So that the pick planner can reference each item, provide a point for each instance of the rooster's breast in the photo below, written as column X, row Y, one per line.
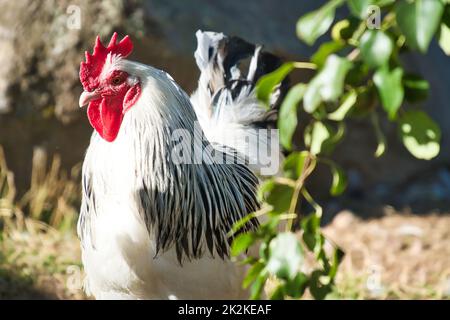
column 119, row 251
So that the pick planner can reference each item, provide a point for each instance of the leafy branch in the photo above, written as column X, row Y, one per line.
column 358, row 74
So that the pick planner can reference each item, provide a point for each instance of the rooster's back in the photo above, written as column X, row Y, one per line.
column 225, row 100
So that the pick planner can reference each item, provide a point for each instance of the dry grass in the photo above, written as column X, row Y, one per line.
column 39, row 252
column 54, row 195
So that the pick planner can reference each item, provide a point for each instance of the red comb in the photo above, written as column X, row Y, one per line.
column 91, row 69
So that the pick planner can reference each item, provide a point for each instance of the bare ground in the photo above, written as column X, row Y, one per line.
column 397, row 256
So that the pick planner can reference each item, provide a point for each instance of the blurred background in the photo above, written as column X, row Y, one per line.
column 393, row 220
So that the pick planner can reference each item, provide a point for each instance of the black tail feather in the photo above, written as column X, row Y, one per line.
column 233, row 68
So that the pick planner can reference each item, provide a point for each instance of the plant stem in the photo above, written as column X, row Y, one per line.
column 305, row 65
column 388, row 21
column 313, row 203
column 354, row 40
column 285, row 181
column 381, row 147
column 299, row 183
column 353, row 55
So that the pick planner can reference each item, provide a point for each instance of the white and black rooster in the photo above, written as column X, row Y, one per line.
column 152, row 226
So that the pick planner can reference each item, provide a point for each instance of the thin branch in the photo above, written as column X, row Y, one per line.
column 305, row 65
column 308, row 168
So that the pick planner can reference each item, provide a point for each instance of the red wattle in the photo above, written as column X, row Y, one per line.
column 106, row 115
column 93, row 113
column 111, row 115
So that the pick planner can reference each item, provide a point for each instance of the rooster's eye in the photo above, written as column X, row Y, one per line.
column 116, row 81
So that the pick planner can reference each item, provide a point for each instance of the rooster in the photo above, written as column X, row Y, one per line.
column 154, row 223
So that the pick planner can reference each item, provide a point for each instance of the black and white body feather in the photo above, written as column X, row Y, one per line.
column 225, row 100
column 152, row 227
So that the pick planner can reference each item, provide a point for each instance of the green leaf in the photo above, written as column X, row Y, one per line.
column 311, row 230
column 241, row 223
column 278, row 293
column 444, row 38
column 316, row 136
column 267, row 83
column 328, row 84
column 314, row 24
column 390, row 88
column 267, row 230
column 382, row 3
column 264, row 251
column 340, row 113
column 338, row 255
column 252, row 273
column 446, row 14
column 297, row 286
column 264, row 188
column 419, row 20
column 327, row 48
column 376, row 47
column 366, row 101
column 294, row 163
column 286, row 255
column 279, row 197
column 320, row 253
column 416, row 88
column 241, row 243
column 322, row 138
column 420, row 134
column 258, row 286
column 318, row 287
column 357, row 76
column 359, row 8
column 287, row 120
column 248, row 260
column 339, row 182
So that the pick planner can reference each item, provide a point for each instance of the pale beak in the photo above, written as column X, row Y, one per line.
column 87, row 97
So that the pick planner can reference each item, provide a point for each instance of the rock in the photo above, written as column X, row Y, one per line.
column 43, row 44
column 409, row 230
column 344, row 219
